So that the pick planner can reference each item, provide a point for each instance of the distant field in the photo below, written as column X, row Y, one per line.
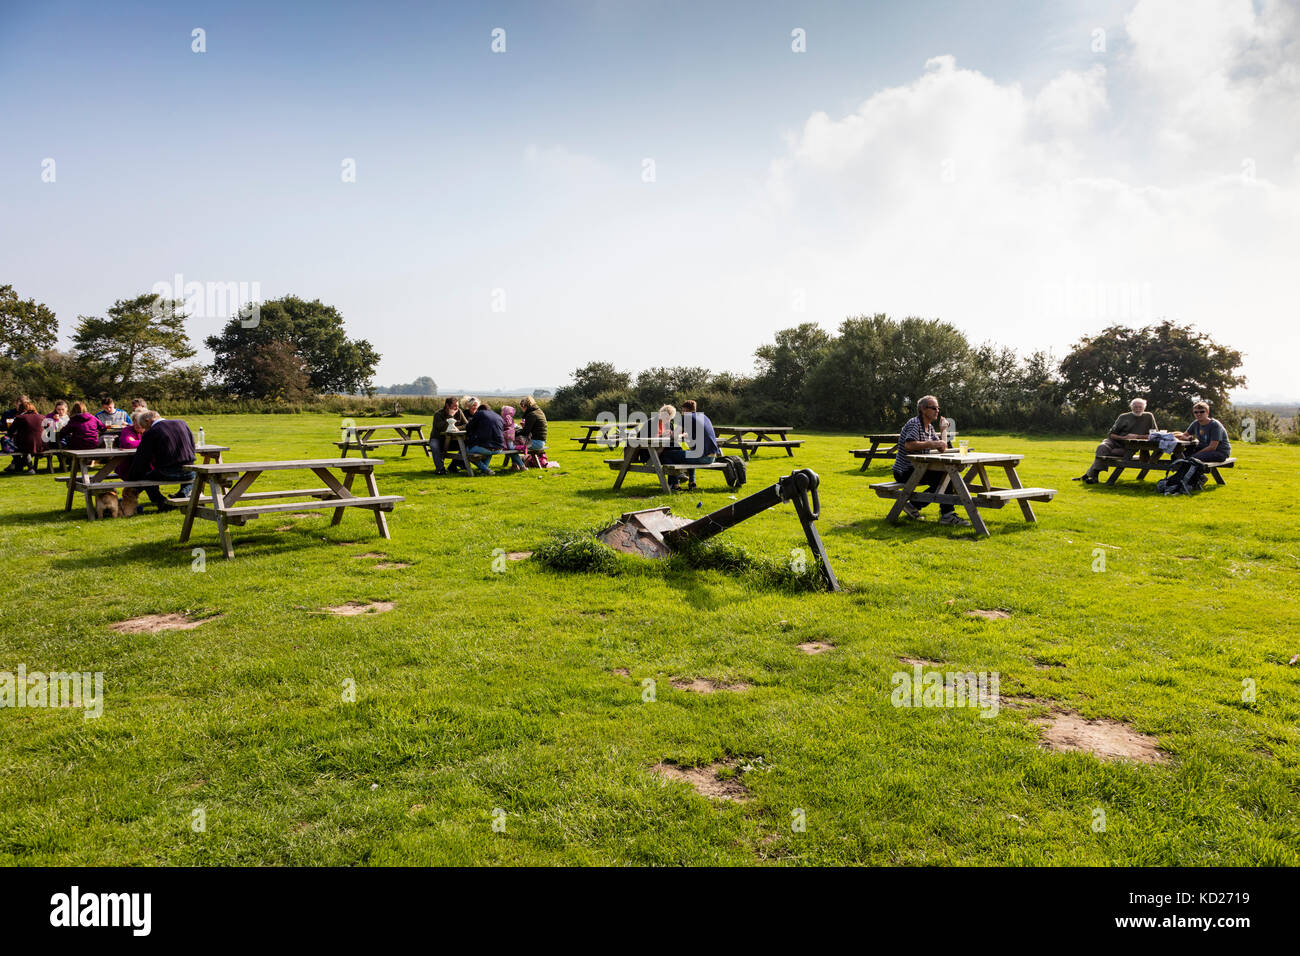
column 489, row 698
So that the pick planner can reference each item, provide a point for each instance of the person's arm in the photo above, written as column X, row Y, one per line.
column 143, row 455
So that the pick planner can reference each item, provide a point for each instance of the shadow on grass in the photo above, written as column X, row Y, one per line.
column 907, row 529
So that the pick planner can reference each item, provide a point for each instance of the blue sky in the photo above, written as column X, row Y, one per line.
column 973, row 162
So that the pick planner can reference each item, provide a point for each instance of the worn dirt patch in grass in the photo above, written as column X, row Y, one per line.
column 815, row 647
column 621, row 672
column 922, row 661
column 151, row 623
column 1108, row 739
column 707, row 781
column 285, row 527
column 1047, row 665
column 518, row 555
column 388, row 565
column 990, row 614
column 370, row 554
column 700, row 685
column 353, row 608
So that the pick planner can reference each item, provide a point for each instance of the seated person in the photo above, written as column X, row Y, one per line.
column 509, row 436
column 25, row 433
column 165, row 453
column 110, row 416
column 54, row 421
column 1135, row 423
column 534, row 430
column 137, row 405
column 82, row 429
column 917, row 436
column 130, row 438
column 484, row 433
column 449, row 414
column 1209, row 434
column 701, row 443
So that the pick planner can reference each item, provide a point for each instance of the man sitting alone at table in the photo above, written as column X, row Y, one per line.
column 165, row 453
column 918, row 436
column 701, row 445
column 486, row 436
column 1137, row 423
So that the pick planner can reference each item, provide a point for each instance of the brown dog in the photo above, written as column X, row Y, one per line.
column 130, row 499
column 106, row 505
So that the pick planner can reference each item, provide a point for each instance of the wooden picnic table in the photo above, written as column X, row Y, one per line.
column 736, row 438
column 361, row 437
column 1145, row 454
column 641, row 455
column 965, row 483
column 219, row 504
column 870, row 454
column 90, row 480
column 606, row 434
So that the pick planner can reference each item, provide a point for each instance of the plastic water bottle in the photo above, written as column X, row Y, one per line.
column 201, row 441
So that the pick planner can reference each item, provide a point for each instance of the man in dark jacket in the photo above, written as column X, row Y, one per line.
column 486, row 435
column 165, row 453
column 701, row 440
column 449, row 414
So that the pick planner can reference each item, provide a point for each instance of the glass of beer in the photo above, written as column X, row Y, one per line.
column 963, row 446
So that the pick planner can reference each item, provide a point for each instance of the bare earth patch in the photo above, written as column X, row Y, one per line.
column 301, row 514
column 701, row 686
column 518, row 555
column 815, row 647
column 353, row 608
column 1108, row 739
column 621, row 672
column 706, row 780
column 151, row 623
column 1046, row 665
column 285, row 527
column 385, row 565
column 989, row 615
column 371, row 554
column 922, row 661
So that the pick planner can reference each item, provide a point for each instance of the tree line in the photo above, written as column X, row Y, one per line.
column 290, row 350
column 868, row 375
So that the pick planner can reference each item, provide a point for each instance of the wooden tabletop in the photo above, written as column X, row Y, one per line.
column 286, row 465
column 117, row 452
column 957, row 458
column 372, row 428
column 641, row 441
column 1155, row 442
column 884, row 436
column 741, row 429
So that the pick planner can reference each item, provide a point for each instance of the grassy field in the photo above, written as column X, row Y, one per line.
column 483, row 691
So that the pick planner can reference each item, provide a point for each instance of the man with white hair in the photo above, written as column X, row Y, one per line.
column 1137, row 423
column 165, row 453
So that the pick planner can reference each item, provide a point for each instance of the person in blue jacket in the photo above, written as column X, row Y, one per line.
column 485, row 434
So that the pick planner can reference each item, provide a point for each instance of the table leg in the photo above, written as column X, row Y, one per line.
column 871, row 454
column 963, row 494
column 629, row 453
column 217, row 492
column 657, row 465
column 1218, row 478
column 1026, row 508
column 196, row 491
column 373, row 488
column 1147, row 461
column 914, row 479
column 346, row 491
column 1118, row 469
column 74, row 478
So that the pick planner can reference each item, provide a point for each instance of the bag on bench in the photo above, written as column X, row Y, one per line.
column 734, row 470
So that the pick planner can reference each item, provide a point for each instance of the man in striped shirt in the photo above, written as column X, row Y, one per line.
column 919, row 436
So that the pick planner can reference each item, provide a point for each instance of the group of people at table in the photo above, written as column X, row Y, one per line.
column 486, row 433
column 164, row 448
column 919, row 435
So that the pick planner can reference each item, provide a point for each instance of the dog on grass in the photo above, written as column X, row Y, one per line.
column 106, row 505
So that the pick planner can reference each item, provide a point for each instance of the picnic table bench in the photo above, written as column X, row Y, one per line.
column 736, row 438
column 965, row 492
column 1145, row 454
column 361, row 437
column 91, row 481
column 224, row 494
column 606, row 434
column 461, row 450
column 641, row 455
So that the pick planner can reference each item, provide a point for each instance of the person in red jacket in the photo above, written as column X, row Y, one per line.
column 25, row 432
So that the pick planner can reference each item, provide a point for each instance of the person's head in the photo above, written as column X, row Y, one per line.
column 527, row 402
column 106, row 403
column 78, row 408
column 26, row 407
column 483, row 405
column 137, row 405
column 137, row 419
column 1201, row 412
column 666, row 413
column 1138, row 406
column 470, row 404
column 508, row 413
column 147, row 418
column 60, row 407
column 928, row 408
column 688, row 405
column 451, row 405
column 21, row 401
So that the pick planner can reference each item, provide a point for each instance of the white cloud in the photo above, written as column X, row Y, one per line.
column 961, row 197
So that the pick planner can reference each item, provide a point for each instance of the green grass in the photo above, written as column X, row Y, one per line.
column 485, row 690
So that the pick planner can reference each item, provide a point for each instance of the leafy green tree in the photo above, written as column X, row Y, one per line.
column 1169, row 365
column 334, row 363
column 783, row 366
column 139, row 340
column 26, row 326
